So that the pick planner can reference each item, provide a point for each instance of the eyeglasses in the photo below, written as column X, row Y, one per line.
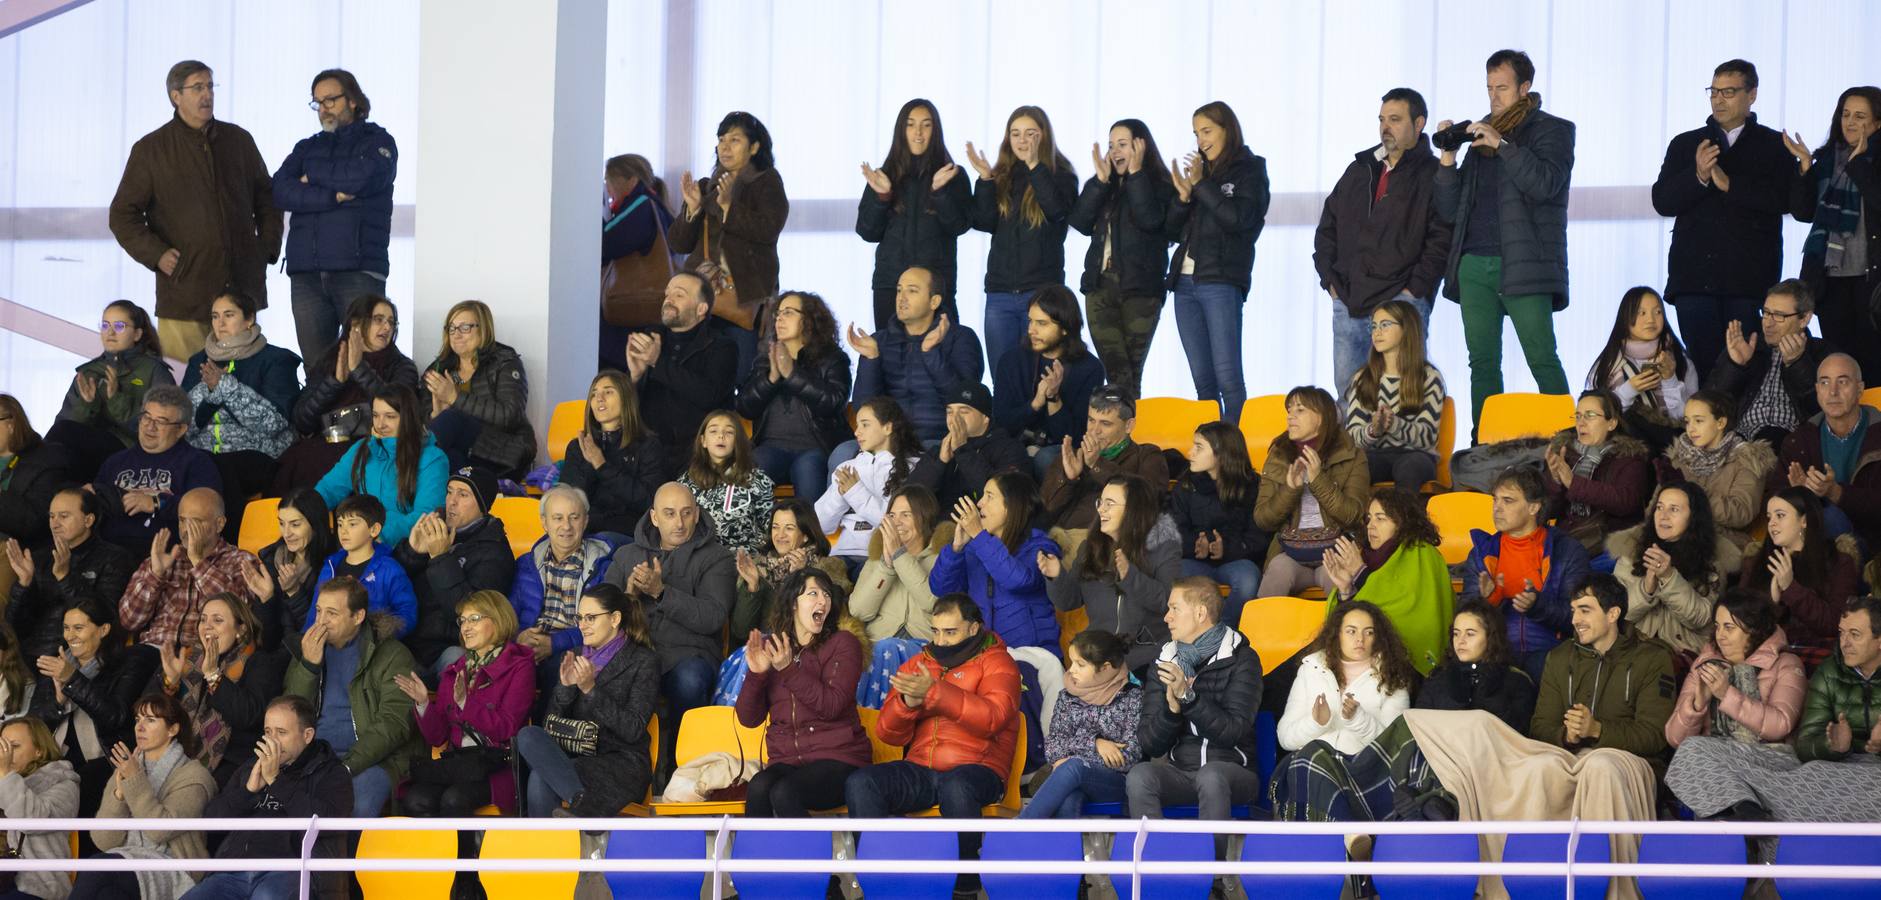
column 205, row 87
column 319, row 103
column 1776, row 314
column 385, row 320
column 783, row 311
column 1589, row 416
column 472, row 619
column 1728, row 93
column 591, row 618
column 161, row 423
column 460, row 328
column 113, row 327
column 1384, row 324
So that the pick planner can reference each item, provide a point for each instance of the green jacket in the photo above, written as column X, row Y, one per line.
column 116, row 415
column 382, row 714
column 1629, row 691
column 1414, row 590
column 1835, row 690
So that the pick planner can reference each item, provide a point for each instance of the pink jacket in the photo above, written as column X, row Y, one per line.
column 497, row 706
column 1780, row 680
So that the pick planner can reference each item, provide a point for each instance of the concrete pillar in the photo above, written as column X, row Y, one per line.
column 510, row 105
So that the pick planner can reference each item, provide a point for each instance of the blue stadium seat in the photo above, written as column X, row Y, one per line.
column 781, row 845
column 907, row 845
column 1166, row 848
column 1066, row 846
column 1542, row 848
column 1689, row 849
column 1425, row 848
column 1827, row 850
column 1294, row 848
column 656, row 845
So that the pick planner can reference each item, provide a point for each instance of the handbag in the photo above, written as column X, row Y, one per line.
column 633, row 286
column 725, row 302
column 578, row 737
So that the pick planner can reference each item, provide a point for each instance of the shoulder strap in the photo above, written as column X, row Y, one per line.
column 629, row 210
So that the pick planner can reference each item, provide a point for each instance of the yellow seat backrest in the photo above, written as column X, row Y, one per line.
column 882, row 751
column 500, row 843
column 1170, row 422
column 1279, row 627
column 429, row 844
column 1446, row 441
column 1262, row 419
column 1455, row 514
column 1509, row 416
column 1069, row 625
column 564, row 424
column 715, row 729
column 260, row 527
column 522, row 521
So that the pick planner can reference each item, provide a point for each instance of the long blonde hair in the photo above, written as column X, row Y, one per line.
column 1048, row 155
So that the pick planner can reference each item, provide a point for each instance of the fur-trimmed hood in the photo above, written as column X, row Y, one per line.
column 1623, row 445
column 1756, row 457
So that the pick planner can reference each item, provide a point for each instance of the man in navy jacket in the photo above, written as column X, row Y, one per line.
column 338, row 187
column 917, row 357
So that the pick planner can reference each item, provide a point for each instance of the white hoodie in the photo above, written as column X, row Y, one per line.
column 1376, row 710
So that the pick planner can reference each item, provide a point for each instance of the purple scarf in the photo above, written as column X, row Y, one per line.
column 604, row 654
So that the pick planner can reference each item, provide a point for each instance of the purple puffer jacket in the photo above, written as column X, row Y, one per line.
column 812, row 705
column 1076, row 726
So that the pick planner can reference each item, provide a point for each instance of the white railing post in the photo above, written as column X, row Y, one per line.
column 306, row 852
column 1136, row 859
column 720, row 844
column 1574, row 843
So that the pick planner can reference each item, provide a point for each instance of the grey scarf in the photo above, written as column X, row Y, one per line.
column 1698, row 463
column 156, row 772
column 1584, row 468
column 242, row 345
column 1744, row 678
column 1191, row 657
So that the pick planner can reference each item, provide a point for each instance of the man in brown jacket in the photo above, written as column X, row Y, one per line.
column 196, row 206
column 1072, row 486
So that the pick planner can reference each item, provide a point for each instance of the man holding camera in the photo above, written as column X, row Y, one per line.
column 1508, row 204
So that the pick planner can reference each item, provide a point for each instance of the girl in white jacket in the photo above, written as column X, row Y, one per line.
column 1354, row 683
column 858, row 492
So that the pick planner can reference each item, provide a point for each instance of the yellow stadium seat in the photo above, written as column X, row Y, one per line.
column 1446, row 442
column 1279, row 627
column 501, row 843
column 522, row 521
column 1871, row 397
column 1455, row 514
column 429, row 844
column 260, row 527
column 712, row 729
column 1262, row 419
column 1008, row 806
column 1509, row 416
column 1069, row 624
column 1170, row 422
column 883, row 752
column 564, row 425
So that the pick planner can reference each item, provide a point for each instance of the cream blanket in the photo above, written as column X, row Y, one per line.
column 1499, row 775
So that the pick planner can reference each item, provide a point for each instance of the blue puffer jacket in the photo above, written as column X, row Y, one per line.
column 1564, row 570
column 381, row 481
column 918, row 379
column 388, row 588
column 526, row 593
column 323, row 235
column 1008, row 587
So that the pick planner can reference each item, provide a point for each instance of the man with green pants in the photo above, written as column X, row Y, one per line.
column 1508, row 203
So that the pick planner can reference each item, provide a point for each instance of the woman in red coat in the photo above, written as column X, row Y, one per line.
column 803, row 675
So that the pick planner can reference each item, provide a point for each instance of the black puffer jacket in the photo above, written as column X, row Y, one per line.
column 1505, row 692
column 1372, row 249
column 479, row 560
column 1532, row 204
column 977, row 460
column 314, row 784
column 1132, row 212
column 99, row 572
column 1219, row 225
column 916, row 227
column 108, row 698
column 497, row 396
column 1022, row 257
column 806, row 411
column 621, row 490
column 375, row 372
column 1195, row 504
column 1218, row 725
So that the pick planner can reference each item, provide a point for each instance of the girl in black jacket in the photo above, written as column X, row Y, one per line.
column 798, row 394
column 286, row 572
column 914, row 209
column 1024, row 202
column 477, row 396
column 1213, row 506
column 1125, row 209
column 335, row 409
column 1477, row 673
column 615, row 460
column 85, row 694
column 1221, row 204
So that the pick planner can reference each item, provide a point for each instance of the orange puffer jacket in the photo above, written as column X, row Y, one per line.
column 970, row 716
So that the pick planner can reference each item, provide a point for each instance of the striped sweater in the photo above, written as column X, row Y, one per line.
column 1406, row 431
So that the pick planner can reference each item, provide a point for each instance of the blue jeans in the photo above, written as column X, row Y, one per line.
column 1072, row 785
column 247, row 886
column 552, row 775
column 1005, row 325
column 371, row 789
column 320, row 301
column 686, row 686
column 1208, row 318
column 1242, row 576
column 1352, row 339
column 806, row 470
column 1703, row 321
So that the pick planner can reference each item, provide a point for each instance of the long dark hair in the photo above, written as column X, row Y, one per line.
column 801, row 510
column 1395, row 672
column 1695, row 551
column 1097, row 558
column 1223, row 115
column 1495, row 637
column 1060, row 305
column 12, row 671
column 411, row 437
column 633, row 618
column 819, row 325
column 901, row 161
column 1331, row 434
column 25, row 439
column 1153, row 166
column 359, row 315
column 1235, row 478
column 1048, row 156
column 1835, row 141
column 783, row 621
column 704, row 471
column 1412, row 363
column 1811, row 564
column 1406, row 510
column 632, row 427
column 140, row 320
column 903, row 443
column 1022, row 503
column 308, row 502
column 1607, row 364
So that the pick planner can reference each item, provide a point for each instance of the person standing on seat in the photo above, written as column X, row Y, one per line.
column 914, row 209
column 1124, row 209
column 1023, row 199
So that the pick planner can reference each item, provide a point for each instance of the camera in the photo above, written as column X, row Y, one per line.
column 1454, row 138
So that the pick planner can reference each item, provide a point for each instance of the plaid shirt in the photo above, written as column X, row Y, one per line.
column 1770, row 407
column 562, row 583
column 159, row 610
